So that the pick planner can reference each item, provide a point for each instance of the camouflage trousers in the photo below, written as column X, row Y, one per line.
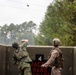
column 25, row 71
column 56, row 71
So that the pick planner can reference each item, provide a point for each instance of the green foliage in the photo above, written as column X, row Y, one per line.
column 11, row 33
column 59, row 21
column 41, row 39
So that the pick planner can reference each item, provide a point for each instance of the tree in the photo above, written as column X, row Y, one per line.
column 4, row 32
column 60, row 21
column 12, row 32
column 11, row 29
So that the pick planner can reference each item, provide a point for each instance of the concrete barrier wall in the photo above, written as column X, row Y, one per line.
column 68, row 53
column 7, row 67
column 74, row 60
column 2, row 60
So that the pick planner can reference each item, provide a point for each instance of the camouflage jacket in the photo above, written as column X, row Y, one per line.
column 21, row 56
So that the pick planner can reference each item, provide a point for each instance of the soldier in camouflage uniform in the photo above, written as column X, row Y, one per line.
column 21, row 58
column 55, row 59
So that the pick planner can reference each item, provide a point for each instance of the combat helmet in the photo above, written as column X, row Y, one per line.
column 56, row 42
column 15, row 45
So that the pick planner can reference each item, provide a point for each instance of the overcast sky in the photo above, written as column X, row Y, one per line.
column 18, row 11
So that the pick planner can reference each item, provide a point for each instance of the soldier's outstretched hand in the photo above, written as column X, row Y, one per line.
column 44, row 65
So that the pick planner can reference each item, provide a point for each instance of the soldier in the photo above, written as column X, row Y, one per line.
column 55, row 59
column 21, row 58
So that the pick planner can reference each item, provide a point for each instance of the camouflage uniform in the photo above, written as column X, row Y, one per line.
column 55, row 61
column 22, row 59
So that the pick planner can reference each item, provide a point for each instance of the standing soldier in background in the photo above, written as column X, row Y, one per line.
column 55, row 59
column 21, row 58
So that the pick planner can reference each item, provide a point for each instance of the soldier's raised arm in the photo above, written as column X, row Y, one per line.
column 24, row 43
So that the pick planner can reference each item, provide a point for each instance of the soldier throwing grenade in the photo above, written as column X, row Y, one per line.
column 55, row 59
column 21, row 58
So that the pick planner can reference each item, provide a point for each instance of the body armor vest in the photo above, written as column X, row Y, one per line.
column 59, row 60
